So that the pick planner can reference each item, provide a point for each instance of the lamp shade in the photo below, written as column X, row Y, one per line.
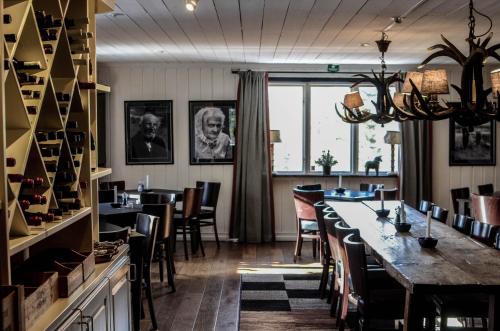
column 275, row 136
column 416, row 78
column 392, row 137
column 398, row 100
column 353, row 100
column 495, row 82
column 435, row 82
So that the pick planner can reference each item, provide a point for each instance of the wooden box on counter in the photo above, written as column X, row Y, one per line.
column 12, row 298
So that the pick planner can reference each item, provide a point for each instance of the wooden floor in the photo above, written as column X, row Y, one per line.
column 207, row 296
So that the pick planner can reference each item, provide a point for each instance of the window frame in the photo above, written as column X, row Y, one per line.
column 306, row 84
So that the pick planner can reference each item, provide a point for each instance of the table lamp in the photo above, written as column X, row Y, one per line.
column 275, row 137
column 392, row 138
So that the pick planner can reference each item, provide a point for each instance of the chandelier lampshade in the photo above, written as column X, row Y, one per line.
column 416, row 78
column 495, row 82
column 353, row 100
column 435, row 82
column 398, row 99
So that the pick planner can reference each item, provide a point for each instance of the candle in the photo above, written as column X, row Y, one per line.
column 147, row 182
column 340, row 181
column 428, row 233
column 403, row 216
column 382, row 198
column 115, row 194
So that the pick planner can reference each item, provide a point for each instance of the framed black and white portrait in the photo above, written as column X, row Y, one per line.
column 148, row 132
column 472, row 145
column 212, row 126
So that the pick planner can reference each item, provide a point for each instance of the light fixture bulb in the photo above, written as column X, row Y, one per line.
column 191, row 4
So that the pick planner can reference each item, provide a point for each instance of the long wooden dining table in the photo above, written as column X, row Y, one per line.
column 457, row 265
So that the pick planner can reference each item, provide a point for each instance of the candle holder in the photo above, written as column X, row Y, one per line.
column 402, row 227
column 116, row 204
column 340, row 190
column 382, row 212
column 427, row 242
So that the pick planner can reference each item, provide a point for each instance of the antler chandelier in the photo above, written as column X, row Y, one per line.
column 418, row 98
column 385, row 112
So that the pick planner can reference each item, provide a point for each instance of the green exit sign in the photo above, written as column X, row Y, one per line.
column 333, row 68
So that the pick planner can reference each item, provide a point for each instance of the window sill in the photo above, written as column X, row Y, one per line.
column 344, row 175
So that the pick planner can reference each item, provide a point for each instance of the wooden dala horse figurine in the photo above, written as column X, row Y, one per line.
column 375, row 164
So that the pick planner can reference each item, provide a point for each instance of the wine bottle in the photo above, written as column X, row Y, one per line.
column 74, row 32
column 61, row 96
column 66, row 194
column 63, row 110
column 76, row 163
column 26, row 65
column 48, row 35
column 51, row 166
column 85, row 50
column 31, row 110
column 64, row 165
column 72, row 206
column 34, row 220
column 75, row 137
column 6, row 65
column 56, row 212
column 42, row 136
column 30, row 94
column 10, row 37
column 68, row 200
column 80, row 62
column 31, row 182
column 92, row 142
column 10, row 162
column 74, row 22
column 72, row 125
column 7, row 19
column 50, row 151
column 34, row 199
column 48, row 217
column 87, row 85
column 25, row 204
column 65, row 177
column 62, row 188
column 48, row 49
column 15, row 178
column 76, row 150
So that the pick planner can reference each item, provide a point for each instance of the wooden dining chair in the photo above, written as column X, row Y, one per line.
column 106, row 196
column 462, row 223
column 325, row 256
column 208, row 212
column 389, row 194
column 424, row 206
column 188, row 219
column 456, row 195
column 486, row 189
column 484, row 232
column 497, row 241
column 307, row 226
column 147, row 225
column 309, row 187
column 150, row 198
column 120, row 185
column 163, row 249
column 439, row 214
column 114, row 235
column 330, row 220
column 378, row 295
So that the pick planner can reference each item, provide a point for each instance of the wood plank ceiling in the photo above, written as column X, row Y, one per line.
column 283, row 31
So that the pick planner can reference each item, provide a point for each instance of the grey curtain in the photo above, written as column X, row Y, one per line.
column 251, row 212
column 416, row 161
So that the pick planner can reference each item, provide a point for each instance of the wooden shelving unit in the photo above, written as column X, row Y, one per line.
column 37, row 126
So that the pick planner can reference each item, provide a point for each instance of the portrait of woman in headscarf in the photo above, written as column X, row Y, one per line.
column 211, row 142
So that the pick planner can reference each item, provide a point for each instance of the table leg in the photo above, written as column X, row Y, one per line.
column 413, row 316
column 494, row 312
column 136, row 251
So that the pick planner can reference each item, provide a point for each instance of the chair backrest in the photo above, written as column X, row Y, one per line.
column 356, row 258
column 497, row 241
column 191, row 202
column 330, row 220
column 106, row 196
column 486, row 189
column 165, row 213
column 304, row 203
column 210, row 193
column 310, row 187
column 389, row 194
column 148, row 198
column 462, row 223
column 486, row 208
column 147, row 225
column 370, row 187
column 424, row 206
column 459, row 193
column 115, row 235
column 439, row 214
column 342, row 230
column 319, row 207
column 484, row 232
column 120, row 185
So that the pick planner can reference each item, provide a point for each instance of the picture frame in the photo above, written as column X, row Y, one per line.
column 149, row 132
column 212, row 132
column 472, row 148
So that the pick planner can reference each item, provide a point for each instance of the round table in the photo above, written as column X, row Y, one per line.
column 349, row 195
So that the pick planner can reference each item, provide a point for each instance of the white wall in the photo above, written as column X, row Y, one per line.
column 185, row 82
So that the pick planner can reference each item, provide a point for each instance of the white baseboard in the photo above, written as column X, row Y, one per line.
column 225, row 237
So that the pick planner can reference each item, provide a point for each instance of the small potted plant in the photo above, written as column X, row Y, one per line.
column 327, row 161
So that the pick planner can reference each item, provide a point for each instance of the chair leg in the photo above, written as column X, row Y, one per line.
column 443, row 323
column 298, row 246
column 314, row 248
column 184, row 239
column 324, row 278
column 216, row 233
column 149, row 294
column 160, row 261
column 200, row 242
column 170, row 266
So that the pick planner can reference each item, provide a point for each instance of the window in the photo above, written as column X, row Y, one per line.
column 304, row 112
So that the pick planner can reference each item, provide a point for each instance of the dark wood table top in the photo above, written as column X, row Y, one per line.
column 105, row 209
column 456, row 262
column 349, row 195
column 178, row 193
